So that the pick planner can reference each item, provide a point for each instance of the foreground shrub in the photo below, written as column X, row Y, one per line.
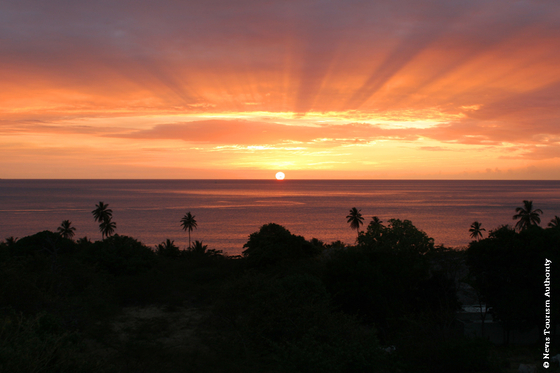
column 289, row 323
column 40, row 344
column 337, row 344
column 458, row 355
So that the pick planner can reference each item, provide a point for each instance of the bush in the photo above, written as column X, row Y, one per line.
column 336, row 344
column 289, row 323
column 458, row 355
column 40, row 344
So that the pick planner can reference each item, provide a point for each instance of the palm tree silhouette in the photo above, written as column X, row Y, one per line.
column 355, row 219
column 166, row 245
column 527, row 216
column 107, row 227
column 198, row 247
column 65, row 229
column 188, row 223
column 376, row 222
column 102, row 212
column 476, row 230
column 11, row 240
column 555, row 222
column 168, row 248
column 83, row 241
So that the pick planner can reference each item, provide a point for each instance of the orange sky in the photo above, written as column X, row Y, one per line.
column 317, row 89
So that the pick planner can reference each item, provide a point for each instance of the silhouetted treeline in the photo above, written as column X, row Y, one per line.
column 384, row 304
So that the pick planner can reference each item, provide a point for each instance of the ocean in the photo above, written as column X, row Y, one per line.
column 228, row 211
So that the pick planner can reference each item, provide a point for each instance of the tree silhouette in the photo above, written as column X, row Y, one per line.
column 376, row 222
column 84, row 241
column 476, row 230
column 65, row 229
column 102, row 212
column 198, row 247
column 168, row 248
column 11, row 240
column 527, row 216
column 107, row 228
column 274, row 244
column 555, row 222
column 188, row 223
column 167, row 244
column 355, row 219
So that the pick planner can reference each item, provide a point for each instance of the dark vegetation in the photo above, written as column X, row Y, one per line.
column 385, row 304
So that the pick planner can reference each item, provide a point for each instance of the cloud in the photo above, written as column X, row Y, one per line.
column 434, row 148
column 245, row 132
column 534, row 152
column 509, row 130
column 26, row 127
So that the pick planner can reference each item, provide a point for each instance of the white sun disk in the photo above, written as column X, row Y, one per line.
column 280, row 176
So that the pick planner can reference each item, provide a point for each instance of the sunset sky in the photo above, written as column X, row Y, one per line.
column 317, row 89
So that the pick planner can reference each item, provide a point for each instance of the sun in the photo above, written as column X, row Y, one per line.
column 280, row 176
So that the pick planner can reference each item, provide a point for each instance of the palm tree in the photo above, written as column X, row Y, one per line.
column 476, row 230
column 527, row 216
column 167, row 244
column 188, row 223
column 168, row 248
column 65, row 229
column 102, row 212
column 355, row 219
column 376, row 222
column 83, row 241
column 555, row 222
column 198, row 247
column 107, row 228
column 11, row 240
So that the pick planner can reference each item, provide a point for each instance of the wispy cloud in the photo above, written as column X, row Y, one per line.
column 257, row 133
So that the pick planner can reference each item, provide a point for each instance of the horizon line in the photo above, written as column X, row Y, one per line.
column 267, row 179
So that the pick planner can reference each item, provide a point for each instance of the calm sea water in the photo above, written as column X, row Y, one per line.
column 227, row 211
